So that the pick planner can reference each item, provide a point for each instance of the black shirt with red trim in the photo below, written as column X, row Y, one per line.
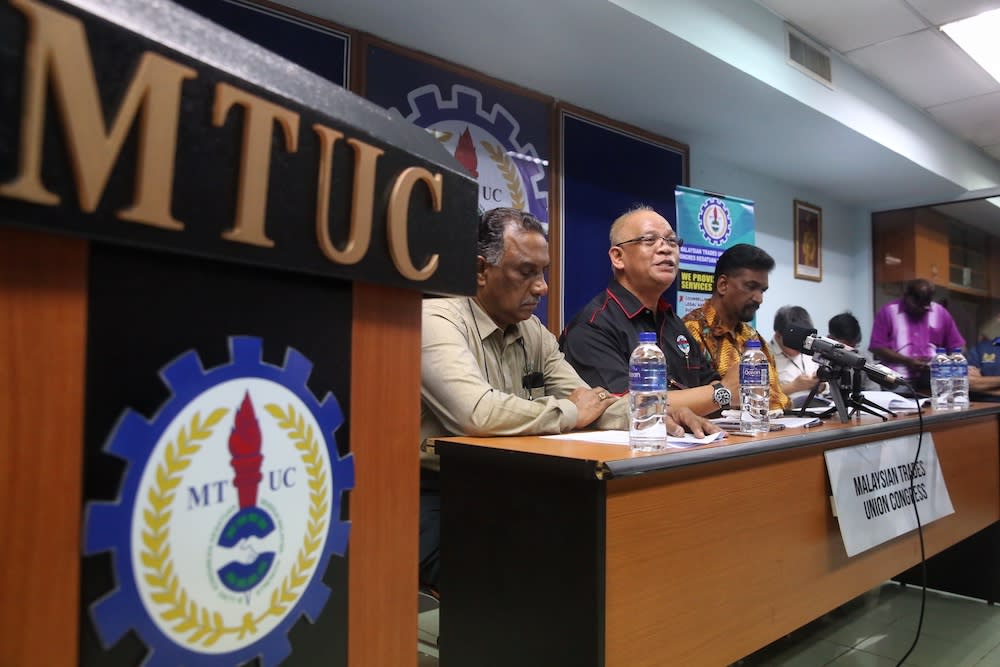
column 599, row 340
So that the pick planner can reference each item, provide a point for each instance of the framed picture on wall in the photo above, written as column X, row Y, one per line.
column 808, row 221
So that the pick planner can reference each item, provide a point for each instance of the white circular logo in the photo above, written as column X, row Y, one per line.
column 231, row 514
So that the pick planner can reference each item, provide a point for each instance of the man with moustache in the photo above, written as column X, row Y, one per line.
column 720, row 328
column 489, row 367
column 598, row 341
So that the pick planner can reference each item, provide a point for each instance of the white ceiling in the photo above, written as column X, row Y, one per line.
column 899, row 42
column 637, row 61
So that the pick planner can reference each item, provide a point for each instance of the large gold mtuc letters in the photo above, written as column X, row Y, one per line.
column 57, row 58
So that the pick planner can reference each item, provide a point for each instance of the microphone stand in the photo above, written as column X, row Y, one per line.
column 835, row 377
column 862, row 404
column 826, row 374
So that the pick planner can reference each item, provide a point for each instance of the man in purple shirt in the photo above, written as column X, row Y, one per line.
column 907, row 331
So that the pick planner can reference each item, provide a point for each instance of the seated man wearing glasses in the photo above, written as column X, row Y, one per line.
column 598, row 341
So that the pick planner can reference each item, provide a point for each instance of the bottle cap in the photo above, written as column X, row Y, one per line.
column 753, row 344
column 940, row 350
column 647, row 337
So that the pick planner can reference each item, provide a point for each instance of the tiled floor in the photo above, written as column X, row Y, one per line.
column 873, row 630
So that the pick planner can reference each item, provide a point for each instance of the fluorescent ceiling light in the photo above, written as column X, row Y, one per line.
column 977, row 36
column 994, row 200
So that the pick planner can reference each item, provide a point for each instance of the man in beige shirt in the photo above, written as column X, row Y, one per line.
column 489, row 367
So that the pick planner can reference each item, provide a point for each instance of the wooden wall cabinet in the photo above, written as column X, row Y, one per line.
column 910, row 244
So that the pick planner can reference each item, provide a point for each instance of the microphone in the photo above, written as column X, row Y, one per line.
column 838, row 354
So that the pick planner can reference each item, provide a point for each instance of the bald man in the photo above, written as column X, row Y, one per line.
column 645, row 260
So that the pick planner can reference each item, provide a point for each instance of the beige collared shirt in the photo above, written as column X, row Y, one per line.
column 472, row 377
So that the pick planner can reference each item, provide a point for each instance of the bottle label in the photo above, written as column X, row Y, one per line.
column 647, row 378
column 754, row 374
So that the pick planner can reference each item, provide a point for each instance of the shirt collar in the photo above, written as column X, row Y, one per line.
column 717, row 328
column 486, row 326
column 629, row 303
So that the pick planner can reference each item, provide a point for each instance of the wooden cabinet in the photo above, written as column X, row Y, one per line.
column 910, row 244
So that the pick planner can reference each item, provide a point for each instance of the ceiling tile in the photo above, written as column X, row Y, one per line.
column 974, row 119
column 846, row 25
column 925, row 68
column 938, row 12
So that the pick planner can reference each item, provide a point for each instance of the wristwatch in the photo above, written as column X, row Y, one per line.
column 722, row 396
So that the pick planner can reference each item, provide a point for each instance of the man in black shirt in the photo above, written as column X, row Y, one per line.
column 598, row 341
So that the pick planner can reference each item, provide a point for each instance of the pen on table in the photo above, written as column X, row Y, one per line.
column 815, row 422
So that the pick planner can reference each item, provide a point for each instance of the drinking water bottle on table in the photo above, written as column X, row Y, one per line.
column 755, row 389
column 959, row 380
column 941, row 385
column 647, row 395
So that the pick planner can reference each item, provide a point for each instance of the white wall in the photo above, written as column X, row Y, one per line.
column 847, row 262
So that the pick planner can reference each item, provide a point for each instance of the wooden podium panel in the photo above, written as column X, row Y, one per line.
column 385, row 412
column 43, row 305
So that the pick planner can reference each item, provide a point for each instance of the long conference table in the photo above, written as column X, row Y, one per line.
column 564, row 552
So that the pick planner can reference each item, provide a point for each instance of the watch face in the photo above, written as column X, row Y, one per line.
column 723, row 396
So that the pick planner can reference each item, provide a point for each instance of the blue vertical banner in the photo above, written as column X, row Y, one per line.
column 709, row 223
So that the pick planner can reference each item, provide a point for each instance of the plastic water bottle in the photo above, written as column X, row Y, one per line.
column 941, row 386
column 755, row 390
column 959, row 380
column 647, row 396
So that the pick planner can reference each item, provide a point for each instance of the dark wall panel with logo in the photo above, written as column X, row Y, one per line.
column 146, row 309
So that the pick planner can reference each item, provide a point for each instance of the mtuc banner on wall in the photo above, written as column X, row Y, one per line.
column 709, row 223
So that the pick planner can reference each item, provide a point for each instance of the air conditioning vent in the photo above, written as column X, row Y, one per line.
column 809, row 57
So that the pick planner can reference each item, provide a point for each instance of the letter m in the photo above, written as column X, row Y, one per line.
column 57, row 53
column 197, row 497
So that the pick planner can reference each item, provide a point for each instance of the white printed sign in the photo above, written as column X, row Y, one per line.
column 872, row 490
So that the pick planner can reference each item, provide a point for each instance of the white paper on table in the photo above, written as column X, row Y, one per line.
column 893, row 401
column 797, row 422
column 621, row 438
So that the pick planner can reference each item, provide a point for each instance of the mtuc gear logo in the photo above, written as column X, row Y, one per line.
column 714, row 221
column 487, row 142
column 228, row 513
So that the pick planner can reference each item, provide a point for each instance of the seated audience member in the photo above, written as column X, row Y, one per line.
column 907, row 331
column 984, row 363
column 796, row 370
column 720, row 328
column 489, row 367
column 845, row 328
column 645, row 255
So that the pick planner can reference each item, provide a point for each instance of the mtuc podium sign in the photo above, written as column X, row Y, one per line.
column 178, row 135
column 211, row 262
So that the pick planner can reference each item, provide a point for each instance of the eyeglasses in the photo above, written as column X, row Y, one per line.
column 651, row 240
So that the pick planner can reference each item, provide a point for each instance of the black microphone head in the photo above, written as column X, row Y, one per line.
column 795, row 337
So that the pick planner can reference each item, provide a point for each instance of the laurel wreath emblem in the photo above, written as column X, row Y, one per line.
column 509, row 171
column 188, row 616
